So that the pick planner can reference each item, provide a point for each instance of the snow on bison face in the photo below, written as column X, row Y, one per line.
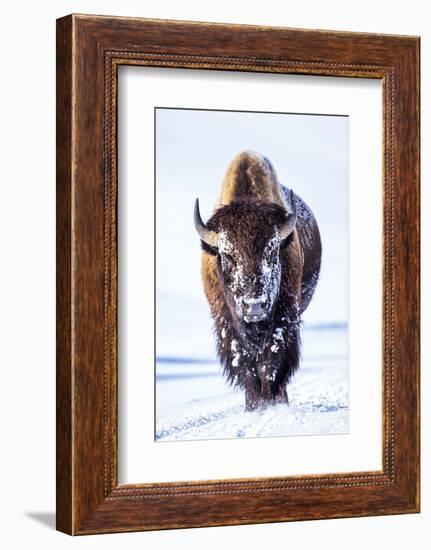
column 251, row 283
column 247, row 236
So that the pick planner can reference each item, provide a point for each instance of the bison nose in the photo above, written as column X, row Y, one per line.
column 255, row 309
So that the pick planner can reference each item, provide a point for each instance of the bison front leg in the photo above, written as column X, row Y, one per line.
column 267, row 375
column 252, row 391
column 281, row 394
column 273, row 389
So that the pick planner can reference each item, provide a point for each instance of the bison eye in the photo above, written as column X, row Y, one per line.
column 227, row 259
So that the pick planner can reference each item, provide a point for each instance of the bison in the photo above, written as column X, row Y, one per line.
column 261, row 255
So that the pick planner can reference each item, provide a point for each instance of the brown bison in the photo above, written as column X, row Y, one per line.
column 260, row 265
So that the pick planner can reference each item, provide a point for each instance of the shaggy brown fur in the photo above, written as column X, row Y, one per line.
column 260, row 357
column 251, row 175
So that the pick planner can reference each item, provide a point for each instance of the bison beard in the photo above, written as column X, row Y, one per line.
column 260, row 266
column 265, row 370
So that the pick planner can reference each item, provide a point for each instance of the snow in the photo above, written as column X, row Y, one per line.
column 235, row 360
column 271, row 268
column 259, row 300
column 194, row 402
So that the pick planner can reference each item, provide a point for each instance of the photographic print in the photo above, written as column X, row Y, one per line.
column 251, row 274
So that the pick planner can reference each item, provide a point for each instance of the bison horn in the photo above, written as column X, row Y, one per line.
column 289, row 225
column 208, row 236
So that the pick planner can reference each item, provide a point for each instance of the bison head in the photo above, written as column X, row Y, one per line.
column 246, row 236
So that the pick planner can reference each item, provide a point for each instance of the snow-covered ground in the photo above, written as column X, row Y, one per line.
column 194, row 402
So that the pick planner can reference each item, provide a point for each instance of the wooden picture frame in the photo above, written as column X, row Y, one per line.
column 89, row 51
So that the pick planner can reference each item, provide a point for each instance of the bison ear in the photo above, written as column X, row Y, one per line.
column 208, row 236
column 289, row 224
